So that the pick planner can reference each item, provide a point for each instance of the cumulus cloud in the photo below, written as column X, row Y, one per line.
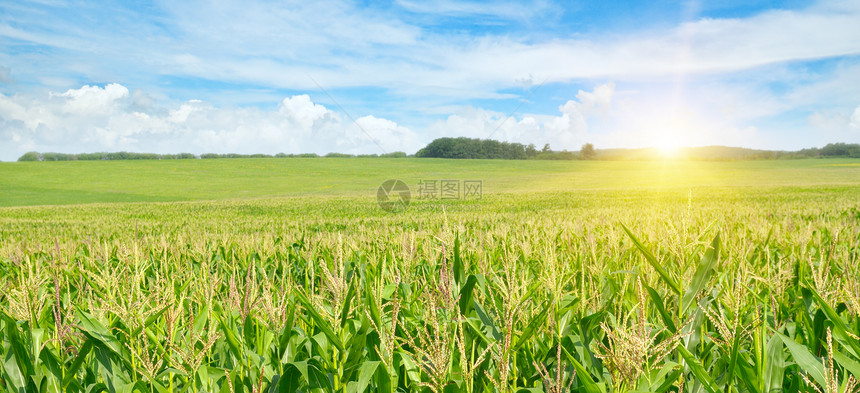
column 597, row 101
column 93, row 100
column 567, row 130
column 110, row 118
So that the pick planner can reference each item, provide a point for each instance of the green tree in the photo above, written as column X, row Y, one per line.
column 473, row 148
column 531, row 151
column 31, row 156
column 587, row 152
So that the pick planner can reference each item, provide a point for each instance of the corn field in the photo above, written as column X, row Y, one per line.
column 695, row 290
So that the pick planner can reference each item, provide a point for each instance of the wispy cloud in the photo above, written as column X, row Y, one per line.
column 495, row 9
column 277, row 44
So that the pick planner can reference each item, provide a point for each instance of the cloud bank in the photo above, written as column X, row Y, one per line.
column 110, row 118
column 113, row 118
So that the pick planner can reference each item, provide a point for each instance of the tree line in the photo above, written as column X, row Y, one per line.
column 491, row 149
column 123, row 155
column 470, row 148
column 833, row 150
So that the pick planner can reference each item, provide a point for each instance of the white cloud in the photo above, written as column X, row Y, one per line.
column 94, row 100
column 567, row 130
column 386, row 134
column 108, row 118
column 304, row 113
column 598, row 101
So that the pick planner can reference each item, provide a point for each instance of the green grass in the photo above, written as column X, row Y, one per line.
column 49, row 183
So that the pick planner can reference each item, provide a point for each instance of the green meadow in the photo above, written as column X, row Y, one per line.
column 284, row 275
column 72, row 182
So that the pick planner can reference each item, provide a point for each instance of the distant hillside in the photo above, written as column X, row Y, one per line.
column 722, row 153
column 692, row 153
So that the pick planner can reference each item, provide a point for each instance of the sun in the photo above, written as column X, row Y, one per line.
column 668, row 146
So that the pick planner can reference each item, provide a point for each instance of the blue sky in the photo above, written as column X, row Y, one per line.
column 367, row 77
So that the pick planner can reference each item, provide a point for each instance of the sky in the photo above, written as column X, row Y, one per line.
column 367, row 77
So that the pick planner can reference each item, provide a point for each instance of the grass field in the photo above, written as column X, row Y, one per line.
column 284, row 275
column 70, row 182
